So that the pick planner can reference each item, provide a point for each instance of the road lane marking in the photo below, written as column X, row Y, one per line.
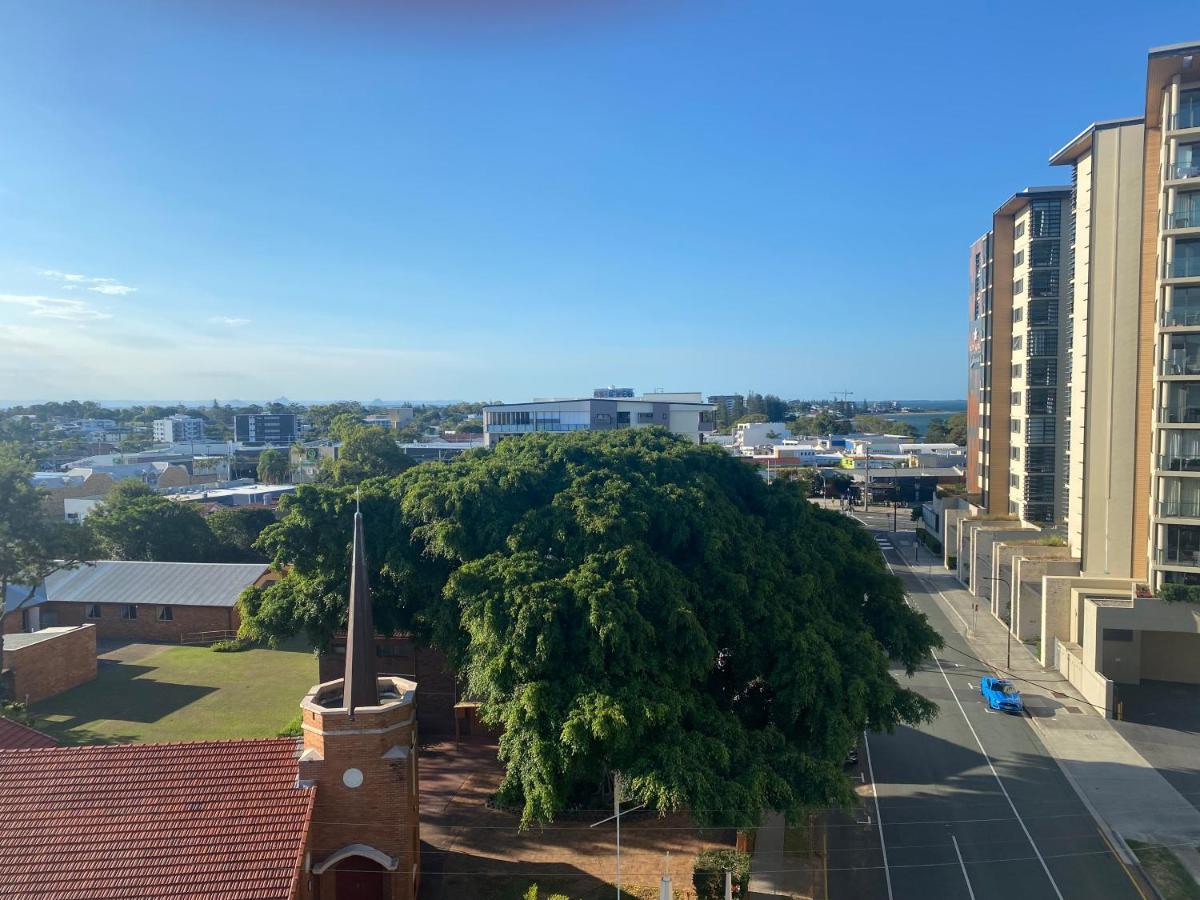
column 887, row 872
column 996, row 775
column 963, row 866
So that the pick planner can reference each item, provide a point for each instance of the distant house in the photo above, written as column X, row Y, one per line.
column 143, row 601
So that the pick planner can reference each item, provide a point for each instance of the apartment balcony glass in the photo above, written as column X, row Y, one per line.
column 1182, row 355
column 1185, row 307
column 1045, row 218
column 1187, row 162
column 1181, row 404
column 1181, row 546
column 1043, row 313
column 1043, row 343
column 1041, row 401
column 1186, row 261
column 1186, row 213
column 1179, row 450
column 1039, row 460
column 1042, row 373
column 1044, row 283
column 1040, row 430
column 1186, row 508
column 1189, row 111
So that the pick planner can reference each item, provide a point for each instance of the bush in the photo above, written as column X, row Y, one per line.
column 1052, row 540
column 233, row 646
column 292, row 729
column 1179, row 593
column 708, row 873
column 934, row 545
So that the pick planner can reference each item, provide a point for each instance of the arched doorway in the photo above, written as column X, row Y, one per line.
column 359, row 878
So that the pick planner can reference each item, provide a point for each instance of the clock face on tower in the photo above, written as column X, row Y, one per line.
column 352, row 778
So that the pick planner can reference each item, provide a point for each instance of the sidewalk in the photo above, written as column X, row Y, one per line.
column 1127, row 795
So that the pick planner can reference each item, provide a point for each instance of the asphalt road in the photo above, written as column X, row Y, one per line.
column 969, row 806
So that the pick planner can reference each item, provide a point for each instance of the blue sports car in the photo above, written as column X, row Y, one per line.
column 1000, row 694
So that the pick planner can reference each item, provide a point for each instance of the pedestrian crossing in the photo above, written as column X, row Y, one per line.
column 884, row 543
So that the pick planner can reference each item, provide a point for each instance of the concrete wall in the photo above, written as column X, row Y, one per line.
column 1168, row 656
column 1031, row 563
column 49, row 667
column 982, row 570
column 1060, row 613
column 1095, row 688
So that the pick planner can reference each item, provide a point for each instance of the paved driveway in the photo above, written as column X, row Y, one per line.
column 1162, row 723
column 112, row 651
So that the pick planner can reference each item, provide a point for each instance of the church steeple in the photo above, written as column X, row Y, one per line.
column 360, row 686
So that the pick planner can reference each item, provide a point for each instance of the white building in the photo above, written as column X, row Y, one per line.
column 680, row 413
column 178, row 428
column 760, row 434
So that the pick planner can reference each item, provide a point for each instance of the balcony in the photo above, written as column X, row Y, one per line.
column 1186, row 509
column 1179, row 415
column 1187, row 267
column 1179, row 557
column 1180, row 171
column 1188, row 316
column 1181, row 365
column 1184, row 119
column 1177, row 462
column 1183, row 218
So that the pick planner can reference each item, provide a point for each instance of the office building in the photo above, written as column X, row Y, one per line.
column 178, row 429
column 265, row 428
column 686, row 414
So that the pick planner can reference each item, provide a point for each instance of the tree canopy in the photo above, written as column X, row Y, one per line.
column 628, row 601
column 133, row 522
column 235, row 530
column 881, row 425
column 272, row 466
column 952, row 430
column 32, row 543
column 366, row 452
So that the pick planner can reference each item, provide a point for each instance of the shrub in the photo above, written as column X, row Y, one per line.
column 233, row 646
column 1179, row 593
column 708, row 873
column 934, row 545
column 1052, row 540
column 292, row 729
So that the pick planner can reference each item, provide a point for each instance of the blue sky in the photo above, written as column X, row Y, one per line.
column 262, row 200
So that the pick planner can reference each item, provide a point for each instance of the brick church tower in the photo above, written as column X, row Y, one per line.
column 360, row 754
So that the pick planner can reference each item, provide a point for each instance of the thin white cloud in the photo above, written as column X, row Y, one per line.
column 231, row 321
column 55, row 307
column 71, row 280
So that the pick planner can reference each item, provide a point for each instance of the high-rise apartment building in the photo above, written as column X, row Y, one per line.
column 1168, row 429
column 178, row 428
column 1018, row 317
column 1085, row 313
column 1102, row 371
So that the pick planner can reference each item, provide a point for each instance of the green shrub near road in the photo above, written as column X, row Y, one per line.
column 708, row 873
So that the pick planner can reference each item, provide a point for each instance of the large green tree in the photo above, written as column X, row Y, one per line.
column 272, row 466
column 33, row 545
column 952, row 430
column 623, row 601
column 235, row 531
column 366, row 452
column 133, row 522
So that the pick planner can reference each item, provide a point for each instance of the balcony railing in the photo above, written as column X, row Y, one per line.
column 1188, row 267
column 1175, row 462
column 1186, row 366
column 1188, row 118
column 1180, row 415
column 1184, row 218
column 1187, row 509
column 1190, row 558
column 1177, row 171
column 1184, row 315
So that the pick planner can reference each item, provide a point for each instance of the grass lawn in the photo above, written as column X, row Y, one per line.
column 183, row 694
column 1167, row 872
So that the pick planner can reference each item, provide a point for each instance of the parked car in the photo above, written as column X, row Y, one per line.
column 1000, row 694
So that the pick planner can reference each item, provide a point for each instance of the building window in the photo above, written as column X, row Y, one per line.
column 1018, row 342
column 1016, row 370
column 166, row 614
column 129, row 611
column 1013, row 508
column 93, row 611
column 1018, row 258
column 1018, row 314
column 1018, row 287
column 622, row 418
column 1014, row 453
column 1014, row 399
column 1124, row 635
column 1014, row 480
column 1015, row 426
column 1019, row 229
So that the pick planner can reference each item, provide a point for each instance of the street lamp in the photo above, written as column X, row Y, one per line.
column 1008, row 630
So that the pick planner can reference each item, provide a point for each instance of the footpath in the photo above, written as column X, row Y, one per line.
column 1126, row 795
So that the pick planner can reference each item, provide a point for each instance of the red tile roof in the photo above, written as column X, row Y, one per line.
column 213, row 819
column 15, row 736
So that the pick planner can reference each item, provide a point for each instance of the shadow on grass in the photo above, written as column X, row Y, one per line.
column 116, row 693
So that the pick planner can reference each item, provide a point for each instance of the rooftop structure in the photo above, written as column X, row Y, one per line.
column 681, row 413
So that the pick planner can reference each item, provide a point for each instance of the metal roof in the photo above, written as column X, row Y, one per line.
column 177, row 584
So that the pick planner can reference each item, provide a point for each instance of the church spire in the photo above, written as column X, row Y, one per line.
column 359, row 687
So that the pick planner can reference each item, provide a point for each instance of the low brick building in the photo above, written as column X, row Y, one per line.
column 143, row 601
column 331, row 816
column 45, row 663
